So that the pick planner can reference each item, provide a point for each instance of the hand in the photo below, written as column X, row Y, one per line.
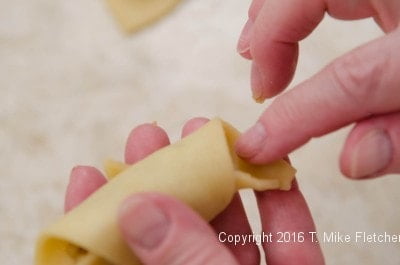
column 161, row 230
column 361, row 87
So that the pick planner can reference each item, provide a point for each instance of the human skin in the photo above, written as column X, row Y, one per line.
column 161, row 230
column 362, row 87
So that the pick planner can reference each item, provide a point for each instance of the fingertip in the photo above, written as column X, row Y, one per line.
column 257, row 84
column 84, row 180
column 144, row 140
column 192, row 125
column 271, row 75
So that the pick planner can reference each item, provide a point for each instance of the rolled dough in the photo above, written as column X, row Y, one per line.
column 202, row 170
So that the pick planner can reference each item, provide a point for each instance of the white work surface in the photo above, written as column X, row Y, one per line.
column 73, row 85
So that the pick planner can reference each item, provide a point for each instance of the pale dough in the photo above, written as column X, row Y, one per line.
column 133, row 15
column 202, row 170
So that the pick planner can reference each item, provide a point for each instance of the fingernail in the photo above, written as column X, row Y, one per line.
column 243, row 46
column 257, row 84
column 144, row 223
column 372, row 154
column 252, row 141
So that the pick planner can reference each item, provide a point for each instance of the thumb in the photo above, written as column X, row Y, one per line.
column 161, row 230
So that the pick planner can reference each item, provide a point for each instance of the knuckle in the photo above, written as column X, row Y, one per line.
column 358, row 78
column 285, row 111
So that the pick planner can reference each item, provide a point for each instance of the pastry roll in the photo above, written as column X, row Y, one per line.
column 202, row 170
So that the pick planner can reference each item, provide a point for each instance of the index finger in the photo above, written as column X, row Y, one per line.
column 361, row 83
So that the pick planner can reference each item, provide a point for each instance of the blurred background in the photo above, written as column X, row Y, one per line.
column 73, row 85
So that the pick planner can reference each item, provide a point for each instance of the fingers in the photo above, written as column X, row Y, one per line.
column 161, row 230
column 84, row 180
column 373, row 148
column 287, row 211
column 271, row 39
column 274, row 44
column 144, row 140
column 279, row 26
column 353, row 87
